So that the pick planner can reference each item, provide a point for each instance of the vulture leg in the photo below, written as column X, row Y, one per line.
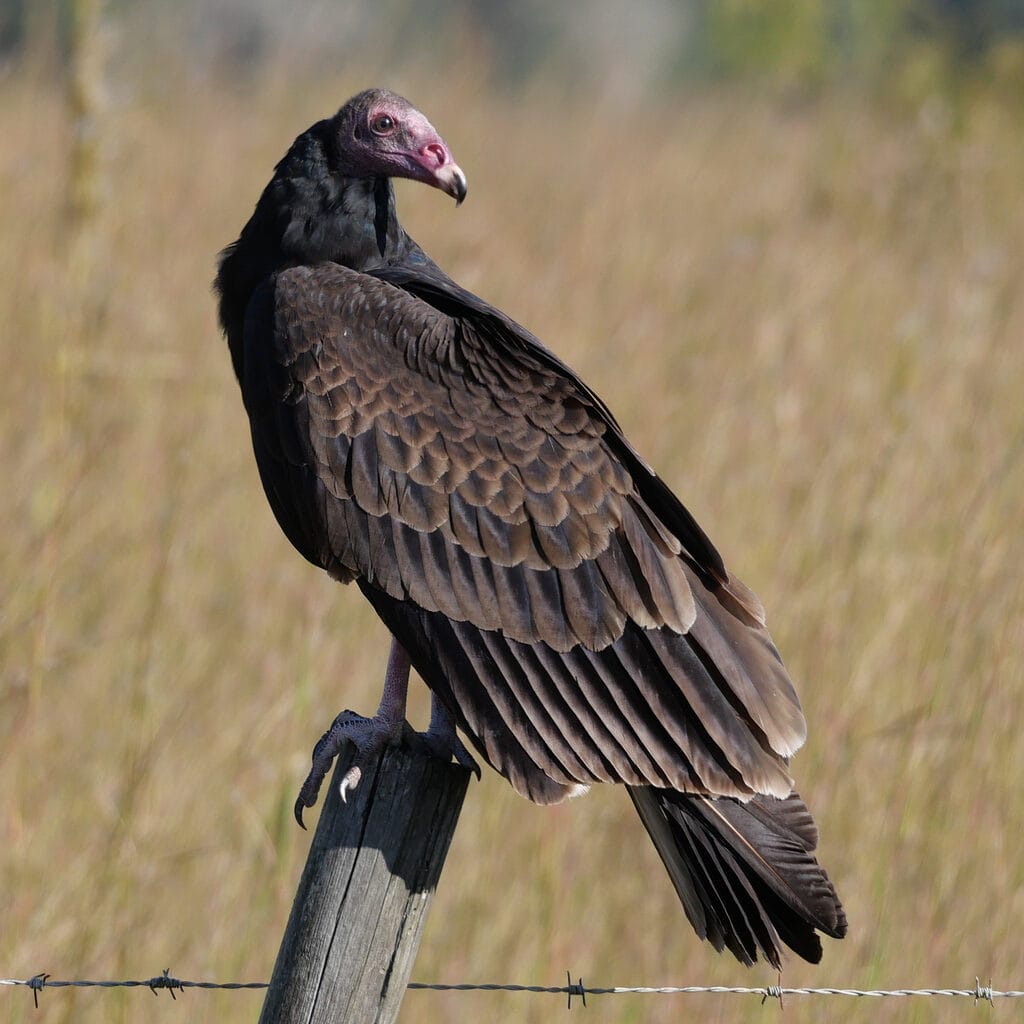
column 443, row 741
column 370, row 735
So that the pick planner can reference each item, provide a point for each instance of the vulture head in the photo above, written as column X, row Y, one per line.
column 378, row 132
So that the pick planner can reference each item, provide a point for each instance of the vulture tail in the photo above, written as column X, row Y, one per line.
column 745, row 872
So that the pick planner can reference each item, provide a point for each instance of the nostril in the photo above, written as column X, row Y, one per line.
column 436, row 152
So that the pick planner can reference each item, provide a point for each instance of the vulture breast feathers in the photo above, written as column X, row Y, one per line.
column 549, row 588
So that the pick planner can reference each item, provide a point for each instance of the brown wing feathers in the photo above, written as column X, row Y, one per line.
column 569, row 551
column 524, row 543
column 486, row 512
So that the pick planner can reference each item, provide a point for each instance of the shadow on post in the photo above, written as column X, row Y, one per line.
column 358, row 915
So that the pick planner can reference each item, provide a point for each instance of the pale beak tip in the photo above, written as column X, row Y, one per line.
column 460, row 187
column 451, row 180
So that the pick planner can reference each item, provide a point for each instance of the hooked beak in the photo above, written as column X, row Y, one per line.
column 451, row 180
column 432, row 163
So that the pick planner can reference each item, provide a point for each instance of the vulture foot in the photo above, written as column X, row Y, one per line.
column 388, row 727
column 370, row 736
column 446, row 748
column 443, row 741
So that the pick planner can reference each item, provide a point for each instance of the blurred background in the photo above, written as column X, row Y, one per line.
column 784, row 240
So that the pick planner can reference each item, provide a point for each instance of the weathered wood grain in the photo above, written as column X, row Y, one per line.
column 359, row 911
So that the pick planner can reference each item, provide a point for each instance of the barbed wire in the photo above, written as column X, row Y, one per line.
column 165, row 980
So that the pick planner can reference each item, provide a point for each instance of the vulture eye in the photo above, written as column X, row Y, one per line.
column 382, row 124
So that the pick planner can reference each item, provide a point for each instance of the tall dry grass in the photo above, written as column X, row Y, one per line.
column 808, row 318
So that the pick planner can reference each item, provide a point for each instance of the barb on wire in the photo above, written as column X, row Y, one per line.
column 166, row 980
column 980, row 992
column 36, row 983
column 173, row 984
column 574, row 990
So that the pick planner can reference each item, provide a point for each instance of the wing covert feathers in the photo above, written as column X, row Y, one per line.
column 451, row 478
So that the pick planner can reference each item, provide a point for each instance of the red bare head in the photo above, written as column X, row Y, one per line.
column 379, row 132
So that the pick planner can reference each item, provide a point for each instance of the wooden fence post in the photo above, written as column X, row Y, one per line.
column 360, row 908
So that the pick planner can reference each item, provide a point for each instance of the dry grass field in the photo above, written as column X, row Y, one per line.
column 810, row 318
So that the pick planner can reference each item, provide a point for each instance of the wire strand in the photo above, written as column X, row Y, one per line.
column 165, row 980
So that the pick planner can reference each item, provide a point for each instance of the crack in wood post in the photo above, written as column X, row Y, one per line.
column 362, row 901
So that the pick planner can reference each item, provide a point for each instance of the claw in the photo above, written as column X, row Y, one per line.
column 447, row 745
column 349, row 782
column 443, row 741
column 466, row 759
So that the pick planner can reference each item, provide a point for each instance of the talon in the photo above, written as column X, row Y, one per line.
column 327, row 748
column 443, row 741
column 446, row 746
column 349, row 782
column 466, row 759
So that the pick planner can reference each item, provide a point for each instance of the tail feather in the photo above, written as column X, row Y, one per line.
column 735, row 918
column 745, row 872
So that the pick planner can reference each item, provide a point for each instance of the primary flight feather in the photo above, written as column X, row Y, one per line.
column 570, row 617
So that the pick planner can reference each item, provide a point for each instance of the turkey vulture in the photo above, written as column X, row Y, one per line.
column 568, row 614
